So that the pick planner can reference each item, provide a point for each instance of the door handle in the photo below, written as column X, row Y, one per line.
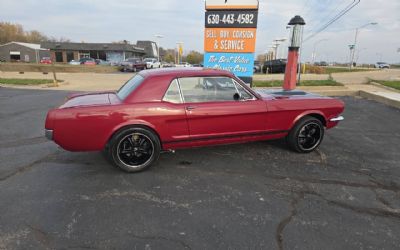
column 190, row 108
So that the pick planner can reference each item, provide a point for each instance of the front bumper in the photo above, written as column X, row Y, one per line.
column 337, row 119
column 49, row 134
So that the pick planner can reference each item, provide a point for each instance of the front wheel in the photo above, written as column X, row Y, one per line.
column 133, row 149
column 306, row 135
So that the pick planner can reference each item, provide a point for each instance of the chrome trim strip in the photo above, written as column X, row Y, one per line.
column 49, row 134
column 337, row 119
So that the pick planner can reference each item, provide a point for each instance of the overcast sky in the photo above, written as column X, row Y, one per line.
column 183, row 21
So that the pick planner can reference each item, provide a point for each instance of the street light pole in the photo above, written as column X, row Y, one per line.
column 277, row 44
column 353, row 52
column 158, row 44
column 314, row 54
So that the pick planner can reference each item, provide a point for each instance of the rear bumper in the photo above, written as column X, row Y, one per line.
column 49, row 134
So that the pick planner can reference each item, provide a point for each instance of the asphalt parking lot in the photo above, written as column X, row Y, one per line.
column 251, row 196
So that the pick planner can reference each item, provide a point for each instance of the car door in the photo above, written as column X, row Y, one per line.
column 174, row 120
column 212, row 112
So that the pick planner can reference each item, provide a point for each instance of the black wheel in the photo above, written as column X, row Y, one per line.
column 133, row 149
column 306, row 135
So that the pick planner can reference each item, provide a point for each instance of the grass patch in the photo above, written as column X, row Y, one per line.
column 279, row 83
column 390, row 84
column 17, row 81
column 331, row 70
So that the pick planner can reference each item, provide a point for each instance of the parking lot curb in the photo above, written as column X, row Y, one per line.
column 384, row 87
column 379, row 98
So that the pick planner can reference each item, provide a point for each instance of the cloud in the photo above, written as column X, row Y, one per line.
column 177, row 20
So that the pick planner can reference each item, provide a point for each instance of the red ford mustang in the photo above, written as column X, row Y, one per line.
column 167, row 109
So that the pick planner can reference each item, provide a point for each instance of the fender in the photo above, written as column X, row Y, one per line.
column 308, row 112
column 130, row 123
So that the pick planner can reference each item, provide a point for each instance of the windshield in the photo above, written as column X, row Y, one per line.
column 148, row 60
column 129, row 86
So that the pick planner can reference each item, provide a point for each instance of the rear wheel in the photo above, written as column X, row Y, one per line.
column 133, row 149
column 306, row 135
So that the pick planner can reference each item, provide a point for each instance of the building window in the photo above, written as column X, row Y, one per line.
column 59, row 56
column 15, row 56
column 70, row 56
column 84, row 54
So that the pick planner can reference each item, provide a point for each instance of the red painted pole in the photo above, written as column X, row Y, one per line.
column 290, row 80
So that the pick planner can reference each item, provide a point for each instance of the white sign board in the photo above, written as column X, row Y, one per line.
column 231, row 4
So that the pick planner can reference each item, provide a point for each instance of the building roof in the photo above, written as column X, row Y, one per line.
column 28, row 45
column 92, row 46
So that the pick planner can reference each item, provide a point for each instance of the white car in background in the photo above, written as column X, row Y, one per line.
column 73, row 62
column 183, row 65
column 382, row 65
column 152, row 63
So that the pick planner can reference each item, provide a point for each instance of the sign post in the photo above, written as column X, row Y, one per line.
column 230, row 36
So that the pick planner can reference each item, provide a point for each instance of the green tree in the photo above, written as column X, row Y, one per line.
column 11, row 32
column 261, row 58
column 194, row 57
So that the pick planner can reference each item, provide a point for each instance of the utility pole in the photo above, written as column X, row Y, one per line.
column 353, row 48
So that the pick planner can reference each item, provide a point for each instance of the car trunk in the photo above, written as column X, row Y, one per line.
column 91, row 99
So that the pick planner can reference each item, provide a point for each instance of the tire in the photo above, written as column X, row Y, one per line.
column 133, row 149
column 306, row 135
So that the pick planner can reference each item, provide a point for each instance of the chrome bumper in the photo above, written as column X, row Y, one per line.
column 49, row 134
column 337, row 119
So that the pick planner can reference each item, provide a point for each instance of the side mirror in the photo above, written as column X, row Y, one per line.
column 236, row 97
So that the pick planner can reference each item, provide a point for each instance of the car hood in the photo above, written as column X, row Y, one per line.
column 90, row 99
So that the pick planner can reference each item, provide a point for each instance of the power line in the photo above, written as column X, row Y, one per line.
column 334, row 19
column 318, row 12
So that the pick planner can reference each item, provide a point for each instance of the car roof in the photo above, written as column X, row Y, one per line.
column 185, row 72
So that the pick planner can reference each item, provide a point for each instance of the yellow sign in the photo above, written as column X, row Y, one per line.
column 180, row 49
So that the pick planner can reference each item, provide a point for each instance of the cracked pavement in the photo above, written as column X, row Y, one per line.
column 259, row 195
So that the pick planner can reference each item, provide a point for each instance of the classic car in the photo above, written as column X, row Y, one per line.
column 168, row 109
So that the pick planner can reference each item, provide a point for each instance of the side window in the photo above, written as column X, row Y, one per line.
column 208, row 89
column 192, row 89
column 172, row 95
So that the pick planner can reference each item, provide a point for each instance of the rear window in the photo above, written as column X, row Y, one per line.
column 129, row 86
